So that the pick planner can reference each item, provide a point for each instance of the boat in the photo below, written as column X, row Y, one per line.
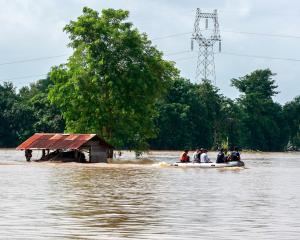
column 209, row 165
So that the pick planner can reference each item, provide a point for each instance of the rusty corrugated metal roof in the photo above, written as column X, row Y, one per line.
column 54, row 141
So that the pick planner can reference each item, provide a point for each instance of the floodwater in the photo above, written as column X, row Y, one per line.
column 147, row 200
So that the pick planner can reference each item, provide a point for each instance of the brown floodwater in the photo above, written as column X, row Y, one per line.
column 145, row 199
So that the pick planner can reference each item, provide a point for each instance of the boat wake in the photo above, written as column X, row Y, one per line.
column 161, row 164
column 142, row 161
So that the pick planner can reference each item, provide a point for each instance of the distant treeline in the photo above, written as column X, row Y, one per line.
column 118, row 85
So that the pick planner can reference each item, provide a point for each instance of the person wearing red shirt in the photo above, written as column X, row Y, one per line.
column 184, row 157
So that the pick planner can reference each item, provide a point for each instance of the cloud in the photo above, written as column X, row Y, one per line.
column 32, row 29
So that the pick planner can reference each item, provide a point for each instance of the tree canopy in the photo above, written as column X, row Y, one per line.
column 263, row 120
column 191, row 116
column 8, row 97
column 118, row 85
column 112, row 81
column 26, row 112
column 259, row 83
column 292, row 115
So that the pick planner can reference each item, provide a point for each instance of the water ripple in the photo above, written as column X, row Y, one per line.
column 145, row 201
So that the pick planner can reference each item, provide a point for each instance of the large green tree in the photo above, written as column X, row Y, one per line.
column 46, row 117
column 292, row 113
column 175, row 121
column 8, row 99
column 229, row 124
column 190, row 116
column 209, row 126
column 26, row 112
column 262, row 118
column 112, row 81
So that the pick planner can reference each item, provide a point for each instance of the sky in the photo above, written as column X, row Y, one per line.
column 33, row 29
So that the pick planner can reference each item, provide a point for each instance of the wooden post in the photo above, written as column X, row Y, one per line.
column 110, row 153
column 90, row 157
column 76, row 155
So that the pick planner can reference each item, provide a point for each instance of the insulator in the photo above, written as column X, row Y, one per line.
column 220, row 46
column 192, row 44
column 206, row 23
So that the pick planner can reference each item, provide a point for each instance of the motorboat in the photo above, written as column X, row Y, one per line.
column 209, row 165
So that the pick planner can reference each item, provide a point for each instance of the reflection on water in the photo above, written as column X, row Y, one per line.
column 141, row 200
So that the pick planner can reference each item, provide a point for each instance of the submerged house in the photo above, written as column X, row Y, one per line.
column 69, row 147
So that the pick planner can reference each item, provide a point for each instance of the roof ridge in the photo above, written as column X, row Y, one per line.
column 59, row 141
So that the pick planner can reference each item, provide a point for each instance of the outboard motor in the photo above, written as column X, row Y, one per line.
column 241, row 164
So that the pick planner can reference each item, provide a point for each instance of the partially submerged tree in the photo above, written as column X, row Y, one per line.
column 8, row 98
column 25, row 112
column 292, row 115
column 112, row 81
column 189, row 117
column 175, row 121
column 262, row 118
column 46, row 116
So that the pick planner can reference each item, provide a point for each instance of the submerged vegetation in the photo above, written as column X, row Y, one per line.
column 117, row 84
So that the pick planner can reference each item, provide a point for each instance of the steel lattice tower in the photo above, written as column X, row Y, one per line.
column 206, row 61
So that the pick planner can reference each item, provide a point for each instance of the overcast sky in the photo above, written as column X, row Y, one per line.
column 33, row 29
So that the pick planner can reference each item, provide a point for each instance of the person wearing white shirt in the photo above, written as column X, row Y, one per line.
column 196, row 156
column 204, row 157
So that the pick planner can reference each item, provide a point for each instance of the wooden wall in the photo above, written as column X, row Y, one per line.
column 98, row 154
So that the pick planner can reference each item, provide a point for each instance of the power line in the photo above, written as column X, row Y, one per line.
column 169, row 54
column 245, row 55
column 177, row 53
column 243, row 11
column 183, row 59
column 63, row 55
column 237, row 32
column 264, row 34
column 41, row 58
column 171, row 36
column 154, row 39
column 23, row 77
column 263, row 57
column 32, row 59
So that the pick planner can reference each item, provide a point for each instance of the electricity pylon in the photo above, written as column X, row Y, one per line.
column 206, row 62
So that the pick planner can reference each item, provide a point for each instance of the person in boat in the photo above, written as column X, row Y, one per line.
column 28, row 154
column 221, row 156
column 196, row 156
column 204, row 157
column 184, row 157
column 234, row 155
